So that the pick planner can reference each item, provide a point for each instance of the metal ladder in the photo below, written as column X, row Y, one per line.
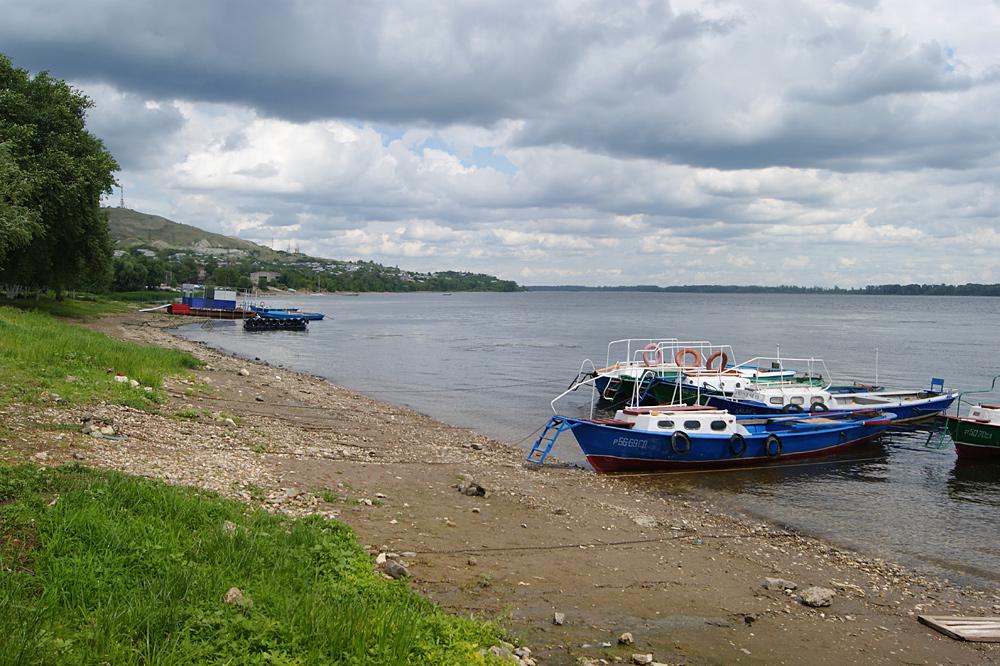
column 556, row 426
column 611, row 390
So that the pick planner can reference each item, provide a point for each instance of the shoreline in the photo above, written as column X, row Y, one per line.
column 681, row 574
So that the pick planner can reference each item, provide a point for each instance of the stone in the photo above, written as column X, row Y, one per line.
column 626, row 638
column 259, row 398
column 642, row 659
column 503, row 653
column 147, row 389
column 87, row 428
column 244, row 372
column 476, row 446
column 643, row 520
column 133, row 383
column 475, row 509
column 108, row 431
column 395, row 569
column 41, row 455
column 522, row 652
column 78, row 456
column 817, row 597
column 229, row 422
column 121, row 379
column 235, row 597
column 559, row 618
column 469, row 486
column 472, row 561
column 381, row 558
column 777, row 584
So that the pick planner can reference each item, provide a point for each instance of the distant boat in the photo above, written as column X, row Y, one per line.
column 447, row 293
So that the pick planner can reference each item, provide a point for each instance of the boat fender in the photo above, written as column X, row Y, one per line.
column 737, row 444
column 723, row 360
column 819, row 407
column 684, row 353
column 772, row 446
column 652, row 355
column 680, row 443
column 792, row 409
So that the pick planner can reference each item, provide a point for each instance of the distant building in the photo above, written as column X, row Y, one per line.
column 270, row 276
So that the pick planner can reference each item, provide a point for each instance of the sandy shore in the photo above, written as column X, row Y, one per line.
column 678, row 573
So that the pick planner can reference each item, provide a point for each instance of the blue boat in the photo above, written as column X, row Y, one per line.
column 285, row 313
column 687, row 437
column 784, row 398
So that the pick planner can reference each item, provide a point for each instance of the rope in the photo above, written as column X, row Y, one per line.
column 602, row 544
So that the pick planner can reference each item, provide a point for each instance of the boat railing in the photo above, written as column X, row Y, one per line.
column 812, row 368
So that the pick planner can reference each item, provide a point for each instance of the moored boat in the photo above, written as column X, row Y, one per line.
column 976, row 436
column 672, row 437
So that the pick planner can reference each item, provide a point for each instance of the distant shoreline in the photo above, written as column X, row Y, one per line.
column 872, row 290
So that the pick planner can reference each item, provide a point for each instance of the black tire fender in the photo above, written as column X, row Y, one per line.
column 772, row 447
column 680, row 443
column 737, row 444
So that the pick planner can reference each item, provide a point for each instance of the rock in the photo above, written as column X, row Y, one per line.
column 381, row 558
column 642, row 659
column 259, row 398
column 395, row 569
column 380, row 496
column 777, row 584
column 365, row 501
column 817, row 597
column 476, row 446
column 559, row 618
column 78, row 456
column 643, row 520
column 147, row 389
column 408, row 553
column 502, row 653
column 121, row 379
column 475, row 509
column 469, row 486
column 244, row 372
column 626, row 638
column 108, row 431
column 522, row 652
column 133, row 383
column 559, row 511
column 229, row 422
column 235, row 597
column 87, row 428
column 41, row 455
column 292, row 493
column 472, row 561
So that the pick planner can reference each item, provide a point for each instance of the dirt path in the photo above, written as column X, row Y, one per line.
column 683, row 577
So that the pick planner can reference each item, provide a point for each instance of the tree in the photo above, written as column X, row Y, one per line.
column 52, row 174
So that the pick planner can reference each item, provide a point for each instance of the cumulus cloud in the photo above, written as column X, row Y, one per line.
column 588, row 142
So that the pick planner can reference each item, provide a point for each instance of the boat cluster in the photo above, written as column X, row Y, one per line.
column 668, row 403
column 262, row 318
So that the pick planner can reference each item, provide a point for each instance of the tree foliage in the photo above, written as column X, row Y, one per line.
column 52, row 174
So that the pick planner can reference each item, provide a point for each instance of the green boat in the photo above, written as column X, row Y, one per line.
column 976, row 436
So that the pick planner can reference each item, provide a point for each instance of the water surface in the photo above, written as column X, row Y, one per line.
column 492, row 362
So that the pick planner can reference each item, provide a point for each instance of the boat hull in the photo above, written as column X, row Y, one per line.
column 915, row 411
column 616, row 449
column 974, row 440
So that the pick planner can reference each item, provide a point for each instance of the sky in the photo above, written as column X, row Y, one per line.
column 768, row 142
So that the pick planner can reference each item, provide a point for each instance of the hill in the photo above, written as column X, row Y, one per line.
column 130, row 228
column 153, row 251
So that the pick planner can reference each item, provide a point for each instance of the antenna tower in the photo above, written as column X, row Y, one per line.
column 121, row 201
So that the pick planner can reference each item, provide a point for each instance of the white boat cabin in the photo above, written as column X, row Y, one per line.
column 673, row 418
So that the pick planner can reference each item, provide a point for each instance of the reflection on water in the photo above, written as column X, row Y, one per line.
column 492, row 362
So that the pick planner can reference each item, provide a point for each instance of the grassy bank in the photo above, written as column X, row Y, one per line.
column 104, row 568
column 40, row 353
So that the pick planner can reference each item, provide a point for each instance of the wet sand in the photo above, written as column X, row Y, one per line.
column 680, row 574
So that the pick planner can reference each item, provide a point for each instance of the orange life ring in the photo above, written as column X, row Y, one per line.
column 711, row 359
column 682, row 354
column 652, row 355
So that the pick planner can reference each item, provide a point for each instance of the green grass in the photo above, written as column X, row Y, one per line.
column 39, row 353
column 81, row 307
column 148, row 296
column 99, row 567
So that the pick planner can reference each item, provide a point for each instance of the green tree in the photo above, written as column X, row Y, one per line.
column 52, row 174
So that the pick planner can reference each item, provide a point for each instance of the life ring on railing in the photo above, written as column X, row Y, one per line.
column 717, row 355
column 652, row 355
column 680, row 443
column 818, row 406
column 772, row 446
column 737, row 444
column 684, row 353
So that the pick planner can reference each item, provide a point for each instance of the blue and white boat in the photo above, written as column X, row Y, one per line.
column 285, row 313
column 686, row 437
column 783, row 397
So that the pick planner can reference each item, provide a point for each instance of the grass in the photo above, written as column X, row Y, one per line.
column 81, row 307
column 104, row 568
column 40, row 353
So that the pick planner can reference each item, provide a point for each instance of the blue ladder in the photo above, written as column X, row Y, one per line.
column 557, row 425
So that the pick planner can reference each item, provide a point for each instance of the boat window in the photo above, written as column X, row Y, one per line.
column 797, row 400
column 738, row 385
column 692, row 425
column 777, row 400
column 664, row 424
column 718, row 425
